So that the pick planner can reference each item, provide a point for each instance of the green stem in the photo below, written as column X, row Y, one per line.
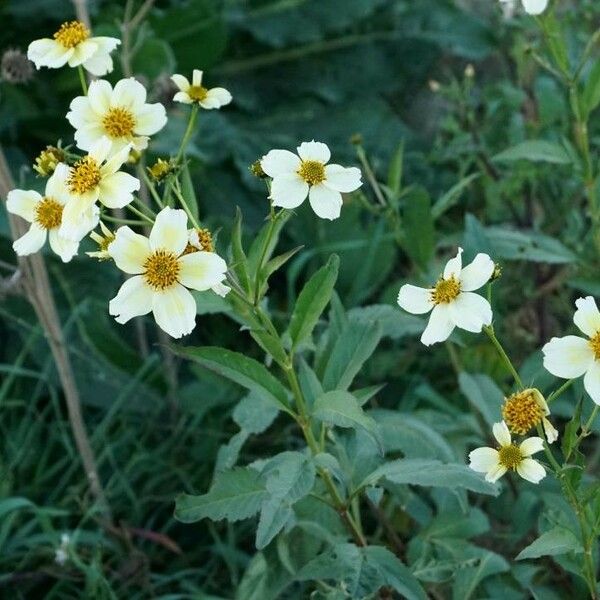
column 489, row 330
column 188, row 133
column 83, row 80
column 139, row 213
column 556, row 393
column 183, row 202
column 121, row 221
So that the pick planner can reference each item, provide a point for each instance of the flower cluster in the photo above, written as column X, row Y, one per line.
column 113, row 125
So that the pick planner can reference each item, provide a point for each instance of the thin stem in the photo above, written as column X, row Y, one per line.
column 188, row 133
column 122, row 221
column 139, row 213
column 556, row 393
column 155, row 195
column 83, row 80
column 489, row 330
column 364, row 161
column 184, row 203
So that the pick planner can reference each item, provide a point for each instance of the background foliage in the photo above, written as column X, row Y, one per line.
column 454, row 161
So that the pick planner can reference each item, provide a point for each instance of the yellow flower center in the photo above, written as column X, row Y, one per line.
column 594, row 343
column 445, row 290
column 205, row 242
column 312, row 171
column 197, row 93
column 72, row 33
column 48, row 213
column 119, row 122
column 521, row 412
column 85, row 176
column 510, row 456
column 161, row 269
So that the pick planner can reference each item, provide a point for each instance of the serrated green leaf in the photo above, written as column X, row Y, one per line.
column 313, row 299
column 241, row 369
column 535, row 151
column 351, row 350
column 342, row 409
column 432, row 473
column 236, row 494
column 558, row 540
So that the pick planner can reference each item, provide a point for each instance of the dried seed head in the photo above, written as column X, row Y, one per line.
column 16, row 67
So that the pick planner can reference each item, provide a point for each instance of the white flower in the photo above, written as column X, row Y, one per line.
column 162, row 272
column 45, row 213
column 93, row 178
column 572, row 356
column 195, row 92
column 494, row 463
column 532, row 7
column 452, row 299
column 296, row 177
column 72, row 44
column 120, row 114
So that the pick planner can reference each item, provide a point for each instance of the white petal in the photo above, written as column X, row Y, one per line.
column 415, row 300
column 440, row 326
column 342, row 179
column 550, row 431
column 567, row 357
column 314, row 151
column 133, row 300
column 587, row 316
column 288, row 191
column 182, row 97
column 531, row 445
column 326, row 203
column 470, row 311
column 181, row 82
column 535, row 7
column 201, row 270
column 150, row 118
column 477, row 273
column 56, row 186
column 495, row 473
column 82, row 52
column 221, row 290
column 31, row 241
column 99, row 64
column 88, row 135
column 129, row 250
column 501, row 433
column 591, row 382
column 483, row 460
column 106, row 44
column 169, row 231
column 80, row 216
column 65, row 248
column 175, row 311
column 454, row 266
column 215, row 98
column 197, row 77
column 116, row 190
column 23, row 203
column 128, row 93
column 99, row 95
column 280, row 162
column 101, row 149
column 116, row 161
column 48, row 53
column 81, row 112
column 531, row 470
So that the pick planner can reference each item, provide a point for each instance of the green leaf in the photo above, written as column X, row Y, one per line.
column 558, row 540
column 569, row 436
column 351, row 350
column 483, row 394
column 241, row 369
column 535, row 151
column 237, row 252
column 266, row 240
column 432, row 473
column 342, row 409
column 363, row 571
column 152, row 58
column 255, row 413
column 418, row 227
column 188, row 191
column 395, row 323
column 313, row 299
column 591, row 90
column 452, row 196
column 395, row 170
column 236, row 494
